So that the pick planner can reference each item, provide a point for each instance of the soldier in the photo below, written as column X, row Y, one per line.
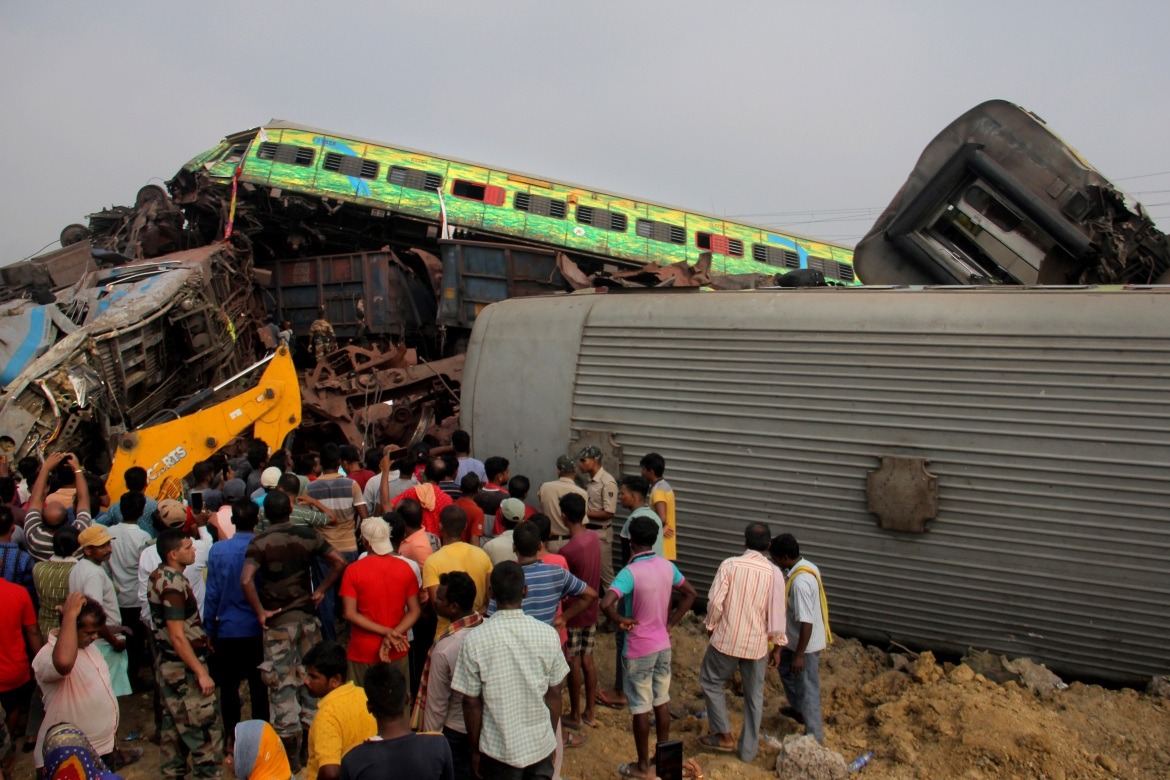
column 190, row 719
column 276, row 582
column 321, row 336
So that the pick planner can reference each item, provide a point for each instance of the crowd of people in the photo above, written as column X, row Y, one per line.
column 417, row 617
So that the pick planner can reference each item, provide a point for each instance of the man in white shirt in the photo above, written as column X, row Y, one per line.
column 90, row 578
column 172, row 514
column 500, row 548
column 128, row 542
column 807, row 633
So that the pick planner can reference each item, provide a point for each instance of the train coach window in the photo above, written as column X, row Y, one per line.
column 719, row 244
column 235, row 153
column 414, row 178
column 491, row 195
column 603, row 219
column 539, row 204
column 661, row 231
column 774, row 255
column 348, row 165
column 286, row 153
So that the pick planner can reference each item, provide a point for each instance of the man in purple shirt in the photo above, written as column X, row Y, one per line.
column 646, row 584
column 583, row 554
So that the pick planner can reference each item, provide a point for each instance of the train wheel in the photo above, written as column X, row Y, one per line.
column 149, row 194
column 74, row 234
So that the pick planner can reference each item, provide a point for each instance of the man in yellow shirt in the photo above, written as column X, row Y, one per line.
column 456, row 555
column 343, row 721
column 661, row 501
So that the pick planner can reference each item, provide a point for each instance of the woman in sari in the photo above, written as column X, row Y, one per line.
column 69, row 756
column 258, row 753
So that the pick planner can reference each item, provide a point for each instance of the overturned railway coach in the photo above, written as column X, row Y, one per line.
column 971, row 467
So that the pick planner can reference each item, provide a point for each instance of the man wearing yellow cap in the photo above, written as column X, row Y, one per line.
column 90, row 578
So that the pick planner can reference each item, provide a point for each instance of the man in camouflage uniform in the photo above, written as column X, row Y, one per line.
column 321, row 336
column 190, row 718
column 285, row 603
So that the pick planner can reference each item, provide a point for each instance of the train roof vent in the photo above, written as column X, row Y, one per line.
column 774, row 255
column 845, row 271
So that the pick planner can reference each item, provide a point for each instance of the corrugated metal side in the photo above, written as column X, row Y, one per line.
column 1044, row 415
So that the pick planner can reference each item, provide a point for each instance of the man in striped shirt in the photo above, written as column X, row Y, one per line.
column 46, row 518
column 745, row 609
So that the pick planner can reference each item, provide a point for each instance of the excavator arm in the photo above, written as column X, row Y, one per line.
column 169, row 450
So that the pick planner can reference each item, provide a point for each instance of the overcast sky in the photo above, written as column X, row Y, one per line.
column 805, row 116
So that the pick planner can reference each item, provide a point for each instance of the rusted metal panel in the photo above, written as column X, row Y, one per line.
column 1041, row 412
column 902, row 494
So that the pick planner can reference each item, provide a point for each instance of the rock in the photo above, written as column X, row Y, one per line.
column 962, row 674
column 1107, row 763
column 989, row 665
column 924, row 667
column 1035, row 677
column 1159, row 686
column 1162, row 756
column 900, row 662
column 803, row 758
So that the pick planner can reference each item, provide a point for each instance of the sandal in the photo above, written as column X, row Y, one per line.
column 573, row 725
column 572, row 739
column 711, row 741
column 603, row 698
column 593, row 724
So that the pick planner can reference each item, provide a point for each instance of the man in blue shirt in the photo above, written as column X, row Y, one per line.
column 231, row 623
column 546, row 584
column 136, row 481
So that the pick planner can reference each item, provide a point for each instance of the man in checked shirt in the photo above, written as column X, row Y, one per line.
column 745, row 610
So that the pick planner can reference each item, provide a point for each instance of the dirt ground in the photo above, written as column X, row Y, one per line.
column 922, row 720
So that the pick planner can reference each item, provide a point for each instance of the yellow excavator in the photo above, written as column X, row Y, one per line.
column 169, row 450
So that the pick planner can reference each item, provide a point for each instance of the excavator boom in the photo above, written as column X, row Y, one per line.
column 168, row 451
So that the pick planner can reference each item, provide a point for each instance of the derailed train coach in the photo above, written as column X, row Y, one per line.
column 998, row 198
column 970, row 466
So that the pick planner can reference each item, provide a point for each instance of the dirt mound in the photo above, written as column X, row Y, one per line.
column 921, row 718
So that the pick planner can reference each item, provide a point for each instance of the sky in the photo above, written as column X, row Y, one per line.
column 806, row 117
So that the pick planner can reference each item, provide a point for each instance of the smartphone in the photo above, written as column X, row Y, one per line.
column 196, row 501
column 669, row 761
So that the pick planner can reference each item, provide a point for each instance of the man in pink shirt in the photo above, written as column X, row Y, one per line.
column 647, row 584
column 745, row 610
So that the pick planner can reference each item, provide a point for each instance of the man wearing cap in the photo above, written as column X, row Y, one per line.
column 89, row 578
column 550, row 496
column 268, row 479
column 600, row 507
column 379, row 598
column 499, row 549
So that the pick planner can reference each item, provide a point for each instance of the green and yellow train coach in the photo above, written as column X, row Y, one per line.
column 499, row 204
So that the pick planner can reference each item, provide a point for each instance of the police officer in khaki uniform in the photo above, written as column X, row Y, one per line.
column 600, row 506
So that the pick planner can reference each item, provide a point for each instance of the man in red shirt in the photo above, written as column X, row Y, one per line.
column 428, row 494
column 379, row 596
column 468, row 487
column 354, row 469
column 20, row 640
column 583, row 553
